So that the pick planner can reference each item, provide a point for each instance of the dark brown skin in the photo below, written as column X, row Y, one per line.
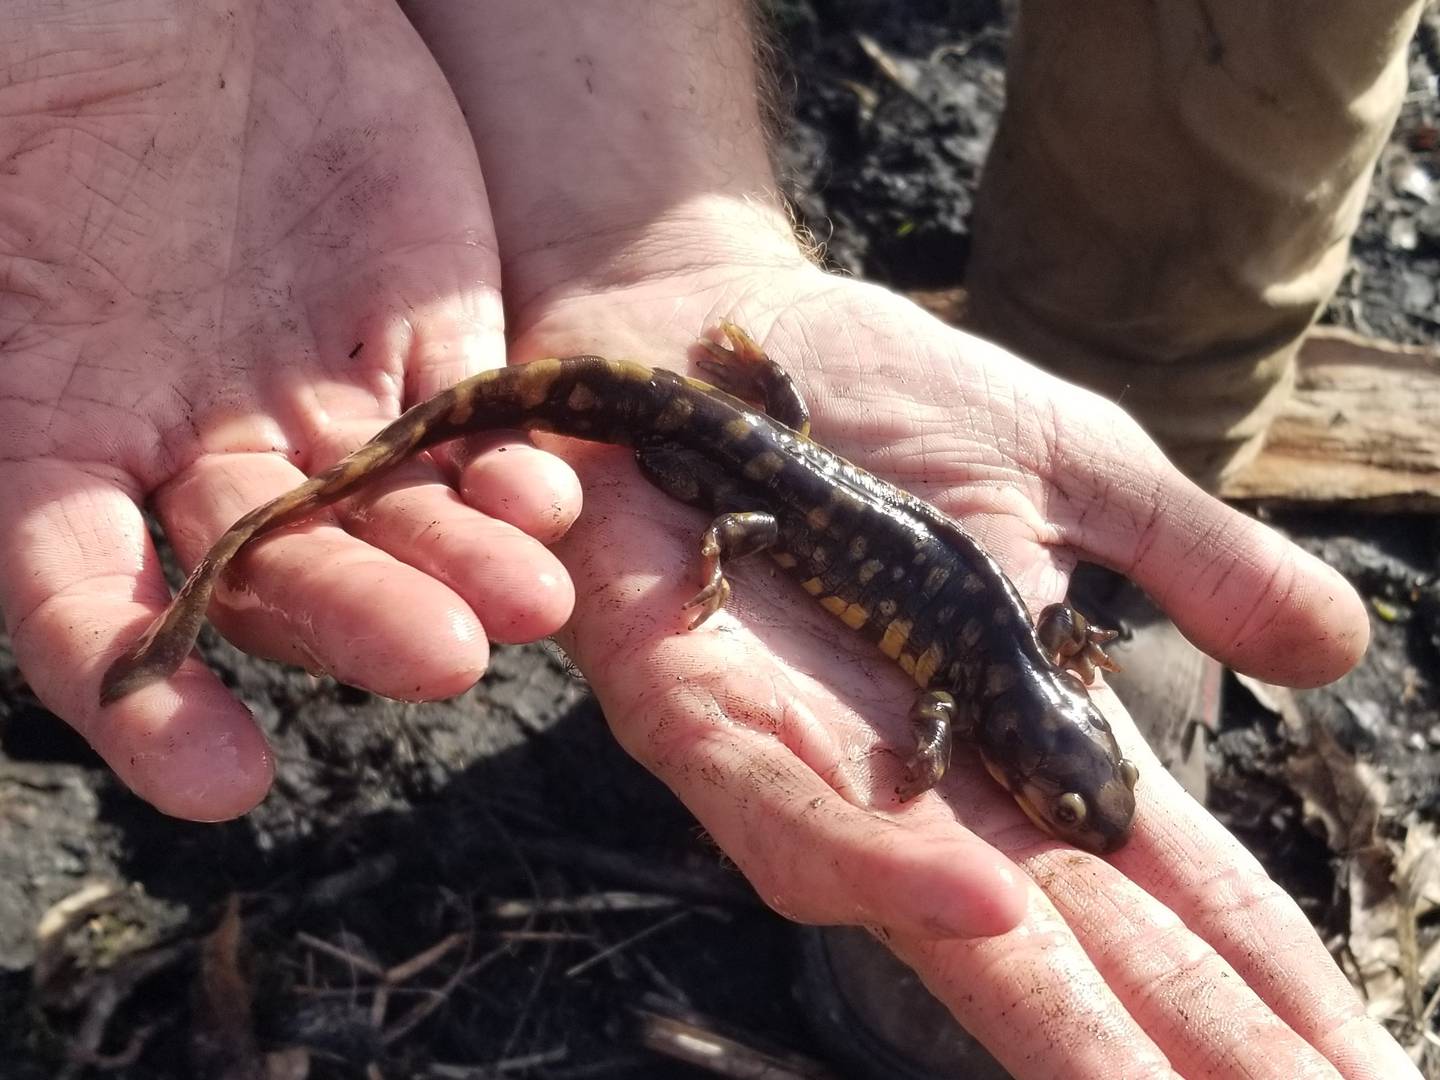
column 888, row 565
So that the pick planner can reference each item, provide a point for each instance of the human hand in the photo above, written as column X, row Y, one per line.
column 238, row 239
column 786, row 735
column 632, row 202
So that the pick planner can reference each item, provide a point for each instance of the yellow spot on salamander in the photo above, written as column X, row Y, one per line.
column 834, row 605
column 970, row 633
column 999, row 678
column 581, row 398
column 785, row 559
column 868, row 569
column 907, row 663
column 935, row 579
column 928, row 664
column 859, row 544
column 737, row 429
column 814, row 586
column 675, row 414
column 764, row 465
column 818, row 518
column 896, row 634
column 887, row 608
column 536, row 380
column 463, row 409
column 629, row 371
column 855, row 616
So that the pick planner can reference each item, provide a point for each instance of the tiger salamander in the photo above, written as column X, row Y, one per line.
column 888, row 565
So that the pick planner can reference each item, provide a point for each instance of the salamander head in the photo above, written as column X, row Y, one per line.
column 1050, row 747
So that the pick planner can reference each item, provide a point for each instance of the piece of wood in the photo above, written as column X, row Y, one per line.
column 1362, row 428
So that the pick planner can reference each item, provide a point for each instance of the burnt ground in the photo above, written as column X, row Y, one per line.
column 488, row 886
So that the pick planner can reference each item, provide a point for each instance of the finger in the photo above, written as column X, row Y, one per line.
column 502, row 475
column 520, row 590
column 1100, row 954
column 459, row 331
column 1035, row 1001
column 430, row 318
column 1052, row 1008
column 1235, row 587
column 514, row 482
column 712, row 714
column 1186, row 997
column 1184, row 858
column 812, row 855
column 78, row 580
column 446, row 338
column 317, row 596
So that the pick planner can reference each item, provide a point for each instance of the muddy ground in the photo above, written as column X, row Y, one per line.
column 504, row 841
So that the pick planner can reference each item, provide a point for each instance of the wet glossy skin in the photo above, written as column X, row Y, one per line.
column 1040, row 745
column 892, row 568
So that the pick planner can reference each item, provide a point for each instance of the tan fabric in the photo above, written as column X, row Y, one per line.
column 1170, row 198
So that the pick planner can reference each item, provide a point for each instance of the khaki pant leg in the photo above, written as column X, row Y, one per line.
column 1171, row 194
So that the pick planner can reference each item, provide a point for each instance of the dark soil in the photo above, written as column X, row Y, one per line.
column 504, row 822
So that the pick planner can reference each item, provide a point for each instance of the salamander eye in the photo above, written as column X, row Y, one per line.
column 1070, row 809
column 1129, row 773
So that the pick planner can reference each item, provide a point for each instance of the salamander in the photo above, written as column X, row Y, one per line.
column 888, row 565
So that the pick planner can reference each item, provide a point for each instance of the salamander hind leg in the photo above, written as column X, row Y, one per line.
column 1071, row 643
column 745, row 371
column 932, row 718
column 694, row 479
column 730, row 536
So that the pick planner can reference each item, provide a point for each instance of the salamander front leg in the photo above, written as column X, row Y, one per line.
column 745, row 371
column 933, row 719
column 730, row 536
column 1070, row 642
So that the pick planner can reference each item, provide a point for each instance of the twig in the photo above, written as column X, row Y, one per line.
column 590, row 903
column 104, row 995
column 708, row 883
column 437, row 997
column 404, row 972
column 694, row 1041
column 958, row 50
column 667, row 985
column 344, row 955
column 625, row 943
column 127, row 1055
column 543, row 935
column 548, row 951
column 506, row 1065
column 542, row 972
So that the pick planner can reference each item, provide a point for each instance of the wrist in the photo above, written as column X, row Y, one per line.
column 708, row 236
column 621, row 140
